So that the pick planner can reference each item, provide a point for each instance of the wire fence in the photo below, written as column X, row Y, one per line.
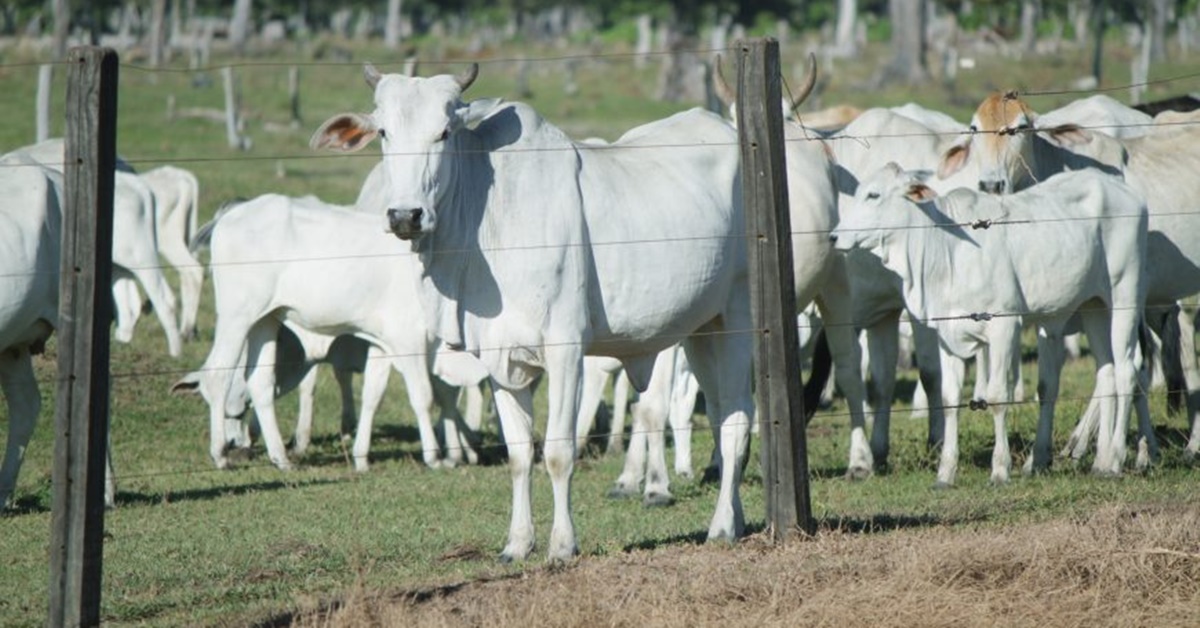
column 868, row 140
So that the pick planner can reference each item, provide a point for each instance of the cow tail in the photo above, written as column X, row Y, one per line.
column 203, row 237
column 822, row 366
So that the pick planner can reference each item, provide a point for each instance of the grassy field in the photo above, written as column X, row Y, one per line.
column 189, row 545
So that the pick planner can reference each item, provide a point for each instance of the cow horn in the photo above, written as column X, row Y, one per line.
column 810, row 81
column 371, row 75
column 467, row 76
column 724, row 92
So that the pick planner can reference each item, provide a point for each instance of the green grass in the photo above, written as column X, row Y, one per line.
column 191, row 545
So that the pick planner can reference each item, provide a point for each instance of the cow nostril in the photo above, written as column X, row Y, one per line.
column 415, row 216
column 833, row 238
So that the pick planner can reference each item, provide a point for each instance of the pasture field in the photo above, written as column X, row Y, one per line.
column 190, row 545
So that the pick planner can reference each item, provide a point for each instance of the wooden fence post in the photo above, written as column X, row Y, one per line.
column 778, row 393
column 85, row 314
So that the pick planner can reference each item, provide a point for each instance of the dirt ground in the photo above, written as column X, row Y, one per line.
column 1117, row 566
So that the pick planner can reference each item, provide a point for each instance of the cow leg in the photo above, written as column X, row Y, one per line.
column 20, row 388
column 345, row 381
column 515, row 408
column 837, row 312
column 594, row 380
column 883, row 342
column 1124, row 329
column 375, row 378
column 191, row 282
column 616, row 432
column 415, row 371
column 473, row 420
column 629, row 483
column 163, row 300
column 304, row 417
column 260, row 383
column 1050, row 362
column 1191, row 373
column 1102, row 351
column 458, row 433
column 1004, row 342
column 929, row 371
column 953, row 373
column 127, row 306
column 564, row 370
column 683, row 403
column 722, row 364
column 1085, row 429
column 217, row 377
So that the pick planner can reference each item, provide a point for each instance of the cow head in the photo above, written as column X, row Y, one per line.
column 728, row 96
column 880, row 207
column 415, row 119
column 1002, row 142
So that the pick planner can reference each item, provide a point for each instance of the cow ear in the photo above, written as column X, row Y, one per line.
column 474, row 112
column 1066, row 135
column 346, row 132
column 919, row 193
column 953, row 159
column 188, row 385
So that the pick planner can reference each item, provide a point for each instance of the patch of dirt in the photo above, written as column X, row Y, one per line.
column 1117, row 566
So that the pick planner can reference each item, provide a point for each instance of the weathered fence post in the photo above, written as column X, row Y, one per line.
column 45, row 74
column 778, row 393
column 85, row 314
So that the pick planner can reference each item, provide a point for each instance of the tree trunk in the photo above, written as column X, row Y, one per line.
column 845, row 42
column 239, row 26
column 62, row 28
column 158, row 31
column 1029, row 11
column 391, row 28
column 908, row 65
column 1156, row 29
column 1098, row 9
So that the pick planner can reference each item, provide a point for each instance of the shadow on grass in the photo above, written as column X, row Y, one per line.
column 129, row 498
column 874, row 524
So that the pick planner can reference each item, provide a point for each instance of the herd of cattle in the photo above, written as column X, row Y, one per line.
column 515, row 251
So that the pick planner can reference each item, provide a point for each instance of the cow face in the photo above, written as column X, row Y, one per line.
column 881, row 206
column 415, row 119
column 1001, row 143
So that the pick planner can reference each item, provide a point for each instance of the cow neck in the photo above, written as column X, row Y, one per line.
column 926, row 249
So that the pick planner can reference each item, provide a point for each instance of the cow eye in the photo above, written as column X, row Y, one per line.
column 872, row 196
column 445, row 134
column 382, row 134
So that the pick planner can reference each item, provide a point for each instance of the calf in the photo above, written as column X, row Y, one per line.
column 977, row 286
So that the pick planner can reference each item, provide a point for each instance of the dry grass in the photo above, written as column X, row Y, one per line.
column 1118, row 566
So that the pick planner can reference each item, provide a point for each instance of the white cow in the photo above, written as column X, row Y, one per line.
column 176, row 201
column 30, row 233
column 1014, row 150
column 135, row 248
column 535, row 250
column 330, row 271
column 979, row 285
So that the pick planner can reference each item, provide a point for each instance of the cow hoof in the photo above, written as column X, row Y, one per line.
column 1189, row 456
column 361, row 465
column 858, row 474
column 658, row 500
column 712, row 475
column 622, row 492
column 686, row 476
column 942, row 486
column 239, row 454
column 1105, row 473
